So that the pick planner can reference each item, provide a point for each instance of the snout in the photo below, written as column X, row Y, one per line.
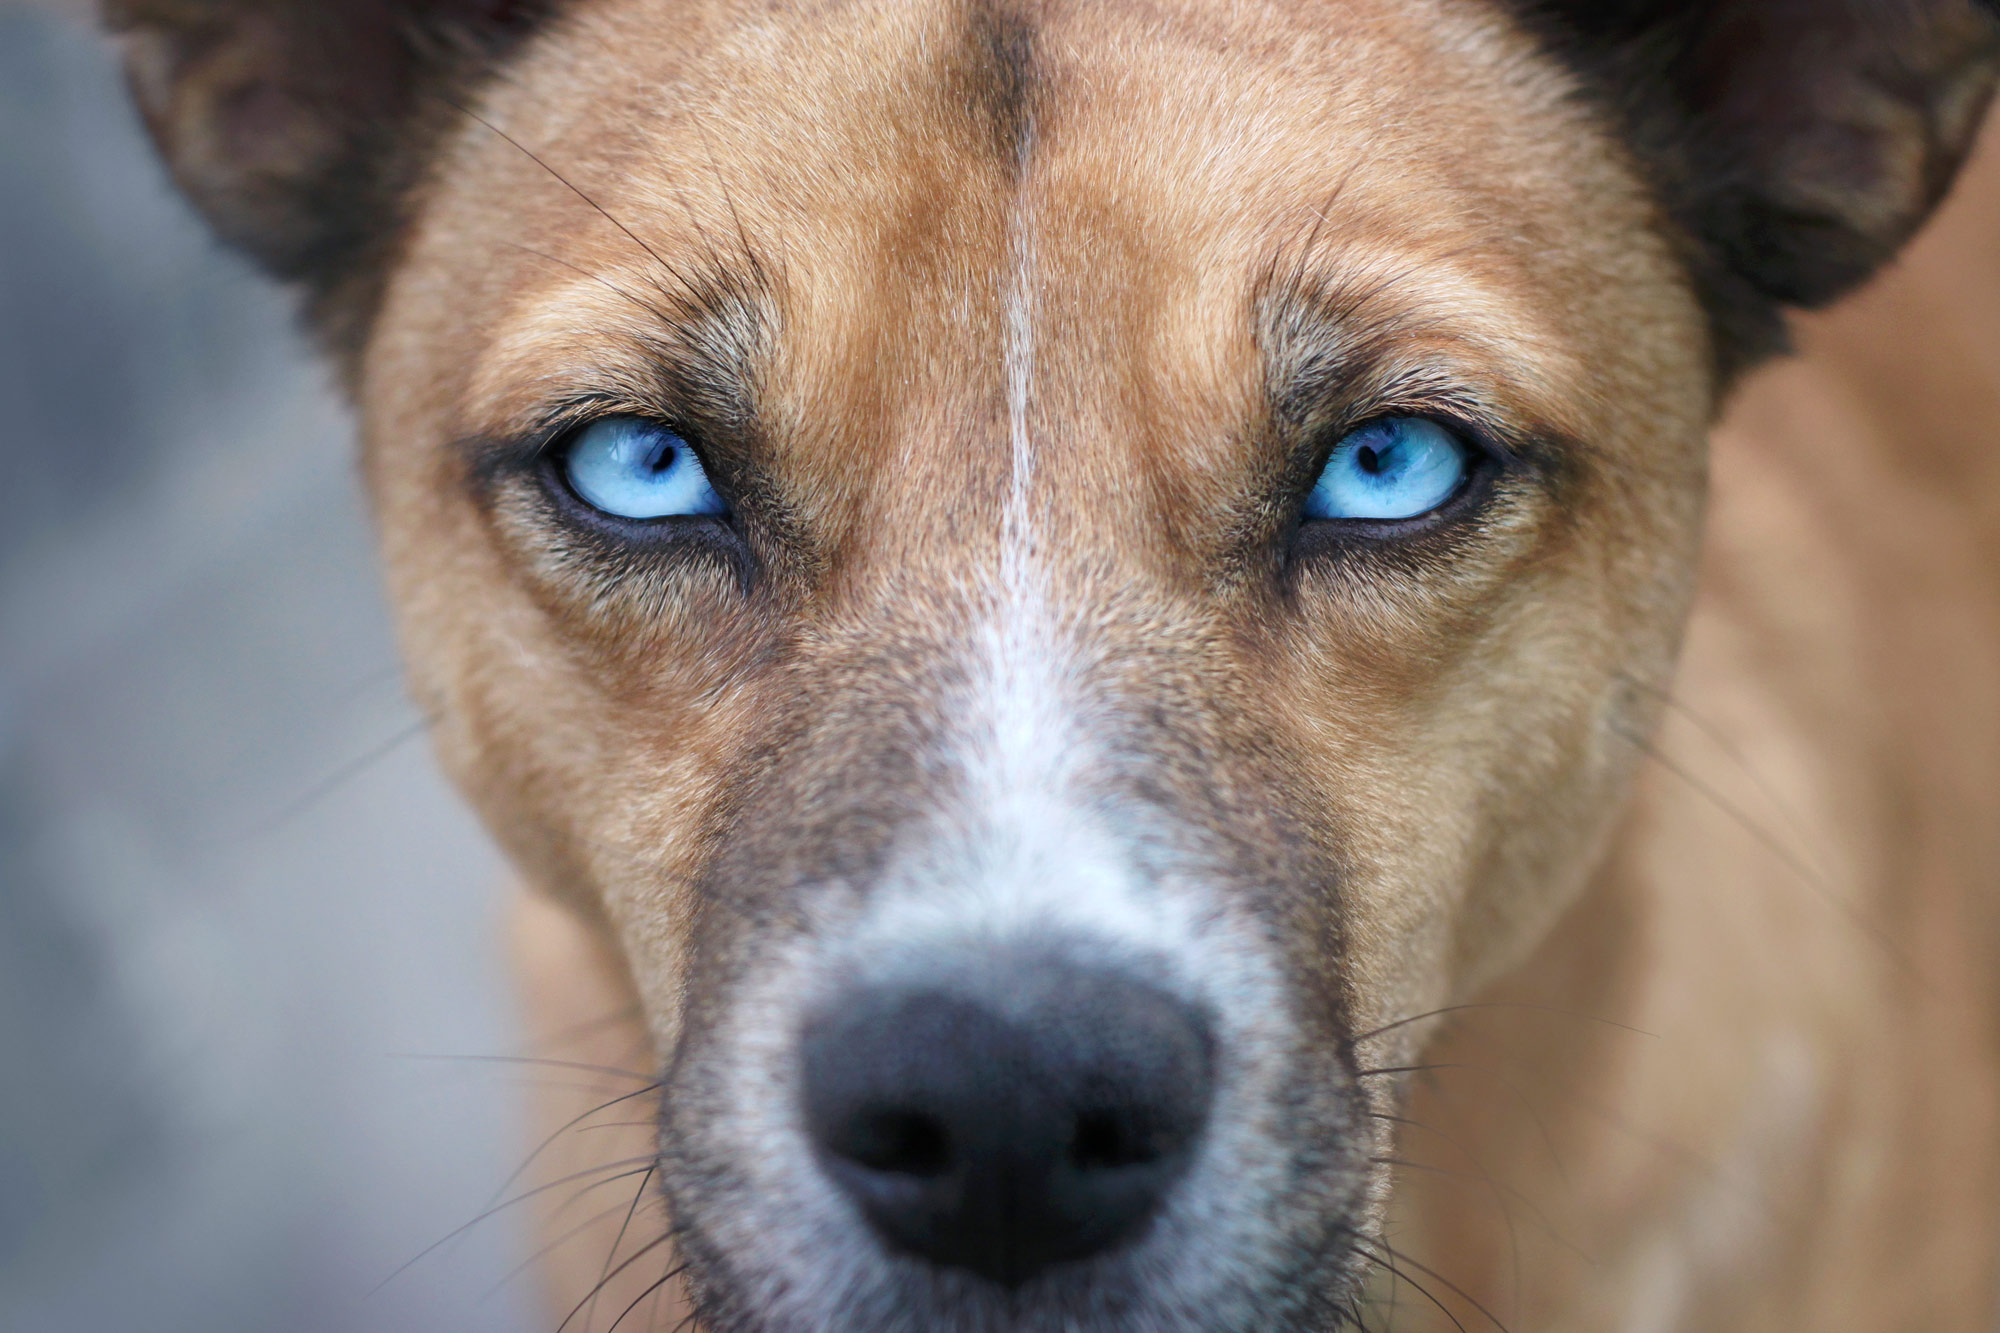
column 1030, row 1114
column 1025, row 1075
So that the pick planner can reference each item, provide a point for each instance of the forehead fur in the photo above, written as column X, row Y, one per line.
column 1249, row 97
column 868, row 159
column 1176, row 205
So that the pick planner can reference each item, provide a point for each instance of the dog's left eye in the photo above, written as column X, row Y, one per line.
column 1397, row 467
column 629, row 467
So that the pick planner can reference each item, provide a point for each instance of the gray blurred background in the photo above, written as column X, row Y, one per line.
column 241, row 917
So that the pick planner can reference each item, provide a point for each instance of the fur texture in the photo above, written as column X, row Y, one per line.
column 1014, row 333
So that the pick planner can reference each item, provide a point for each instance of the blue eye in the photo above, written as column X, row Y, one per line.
column 632, row 468
column 1398, row 467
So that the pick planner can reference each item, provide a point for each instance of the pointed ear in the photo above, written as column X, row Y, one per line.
column 295, row 125
column 1795, row 144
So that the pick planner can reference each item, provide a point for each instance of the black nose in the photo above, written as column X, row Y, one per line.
column 1035, row 1116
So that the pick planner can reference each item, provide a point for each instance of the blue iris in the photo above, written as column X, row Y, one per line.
column 633, row 468
column 1398, row 467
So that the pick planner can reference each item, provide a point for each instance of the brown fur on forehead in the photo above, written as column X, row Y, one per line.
column 1169, row 152
column 868, row 193
column 1417, row 179
column 831, row 226
column 1000, row 74
column 1377, row 169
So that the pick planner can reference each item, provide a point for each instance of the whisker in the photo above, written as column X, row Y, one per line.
column 1498, row 1076
column 341, row 776
column 670, row 1276
column 626, row 1014
column 1499, row 1004
column 545, row 1250
column 566, row 182
column 597, row 278
column 1384, row 1247
column 458, row 1231
column 590, row 1298
column 649, row 1121
column 1500, row 1201
column 1421, row 1290
column 1499, row 1188
column 1770, row 843
column 1728, row 745
column 589, row 1301
column 550, row 1062
column 604, row 1275
column 749, row 252
column 1481, row 1172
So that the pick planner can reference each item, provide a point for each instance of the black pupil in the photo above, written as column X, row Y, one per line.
column 1370, row 460
column 662, row 457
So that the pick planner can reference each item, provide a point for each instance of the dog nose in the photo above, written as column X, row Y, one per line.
column 1038, row 1123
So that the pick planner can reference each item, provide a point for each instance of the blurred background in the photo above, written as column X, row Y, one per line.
column 246, row 933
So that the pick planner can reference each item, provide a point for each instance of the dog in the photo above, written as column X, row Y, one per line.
column 1073, row 615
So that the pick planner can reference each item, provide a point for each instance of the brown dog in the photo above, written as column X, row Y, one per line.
column 1060, row 602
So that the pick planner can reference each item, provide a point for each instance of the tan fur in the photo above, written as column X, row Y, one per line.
column 881, row 367
column 1770, row 1157
column 1807, row 1140
column 1058, row 285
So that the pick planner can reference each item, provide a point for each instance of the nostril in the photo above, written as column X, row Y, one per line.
column 896, row 1142
column 1107, row 1140
column 1097, row 1143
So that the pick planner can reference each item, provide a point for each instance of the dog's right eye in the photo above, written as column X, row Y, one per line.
column 632, row 468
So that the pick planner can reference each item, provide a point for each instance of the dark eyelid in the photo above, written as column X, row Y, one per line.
column 1474, row 427
column 1311, row 451
column 732, row 453
column 491, row 458
column 1541, row 453
column 1505, row 456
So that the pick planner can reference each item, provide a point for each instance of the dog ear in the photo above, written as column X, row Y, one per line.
column 1796, row 144
column 296, row 125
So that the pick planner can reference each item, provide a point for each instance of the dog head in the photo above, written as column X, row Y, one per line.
column 1048, row 572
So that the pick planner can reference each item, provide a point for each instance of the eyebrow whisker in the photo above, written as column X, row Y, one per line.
column 597, row 278
column 567, row 183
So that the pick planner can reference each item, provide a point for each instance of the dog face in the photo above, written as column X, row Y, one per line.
column 1048, row 573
